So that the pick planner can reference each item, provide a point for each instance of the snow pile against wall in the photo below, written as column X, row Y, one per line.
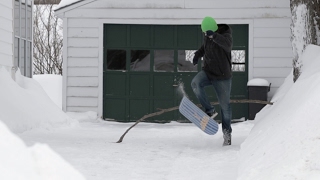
column 24, row 105
column 52, row 85
column 31, row 163
column 285, row 141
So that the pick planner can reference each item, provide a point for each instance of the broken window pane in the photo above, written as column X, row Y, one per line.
column 140, row 60
column 238, row 60
column 185, row 61
column 164, row 60
column 116, row 59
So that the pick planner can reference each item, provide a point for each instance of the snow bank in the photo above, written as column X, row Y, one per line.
column 24, row 105
column 52, row 85
column 285, row 141
column 31, row 163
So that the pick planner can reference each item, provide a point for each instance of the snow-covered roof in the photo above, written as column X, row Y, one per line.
column 65, row 3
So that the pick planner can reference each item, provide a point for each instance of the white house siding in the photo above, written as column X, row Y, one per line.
column 82, row 59
column 6, row 33
column 269, row 50
column 272, row 53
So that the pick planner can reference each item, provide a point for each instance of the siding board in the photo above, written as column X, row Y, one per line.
column 273, row 62
column 275, row 82
column 6, row 33
column 83, row 32
column 6, row 48
column 272, row 32
column 82, row 101
column 5, row 59
column 185, row 4
column 272, row 23
column 271, row 72
column 83, row 82
column 179, row 13
column 6, row 36
column 82, row 23
column 83, row 42
column 272, row 42
column 81, row 109
column 83, row 72
column 273, row 52
column 6, row 10
column 6, row 24
column 235, row 4
column 83, row 52
column 83, row 62
column 83, row 91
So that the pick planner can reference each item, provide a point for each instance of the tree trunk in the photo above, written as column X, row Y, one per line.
column 304, row 28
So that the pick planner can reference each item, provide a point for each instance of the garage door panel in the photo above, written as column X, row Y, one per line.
column 140, row 35
column 164, row 36
column 163, row 85
column 138, row 108
column 140, row 85
column 115, row 109
column 163, row 104
column 115, row 84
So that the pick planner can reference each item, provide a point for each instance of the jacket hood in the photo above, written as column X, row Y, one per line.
column 224, row 28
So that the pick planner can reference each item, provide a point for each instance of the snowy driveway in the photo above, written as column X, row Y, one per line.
column 149, row 151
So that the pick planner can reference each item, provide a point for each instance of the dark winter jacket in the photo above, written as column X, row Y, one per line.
column 216, row 53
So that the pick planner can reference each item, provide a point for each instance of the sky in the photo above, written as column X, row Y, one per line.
column 40, row 141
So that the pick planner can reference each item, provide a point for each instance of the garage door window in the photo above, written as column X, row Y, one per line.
column 238, row 60
column 185, row 61
column 116, row 59
column 140, row 60
column 164, row 60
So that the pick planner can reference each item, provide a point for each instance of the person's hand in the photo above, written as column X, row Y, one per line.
column 195, row 59
column 209, row 33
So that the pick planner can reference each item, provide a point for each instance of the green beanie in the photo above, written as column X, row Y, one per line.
column 208, row 23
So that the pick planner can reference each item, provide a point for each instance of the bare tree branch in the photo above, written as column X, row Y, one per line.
column 177, row 107
column 48, row 41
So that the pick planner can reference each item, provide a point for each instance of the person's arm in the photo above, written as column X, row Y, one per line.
column 223, row 40
column 198, row 54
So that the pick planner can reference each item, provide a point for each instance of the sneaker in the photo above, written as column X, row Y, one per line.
column 227, row 138
column 212, row 115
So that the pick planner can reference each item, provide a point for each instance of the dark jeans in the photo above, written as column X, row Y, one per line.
column 222, row 89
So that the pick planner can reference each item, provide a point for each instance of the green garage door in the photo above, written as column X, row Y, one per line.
column 145, row 64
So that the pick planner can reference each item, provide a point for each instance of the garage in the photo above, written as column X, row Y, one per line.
column 124, row 60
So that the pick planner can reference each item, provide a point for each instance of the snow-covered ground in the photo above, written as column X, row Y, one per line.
column 45, row 143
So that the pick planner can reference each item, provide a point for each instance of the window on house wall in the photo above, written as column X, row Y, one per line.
column 23, row 36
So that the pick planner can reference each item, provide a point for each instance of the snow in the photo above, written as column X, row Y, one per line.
column 25, row 106
column 258, row 82
column 64, row 3
column 285, row 141
column 52, row 85
column 44, row 143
